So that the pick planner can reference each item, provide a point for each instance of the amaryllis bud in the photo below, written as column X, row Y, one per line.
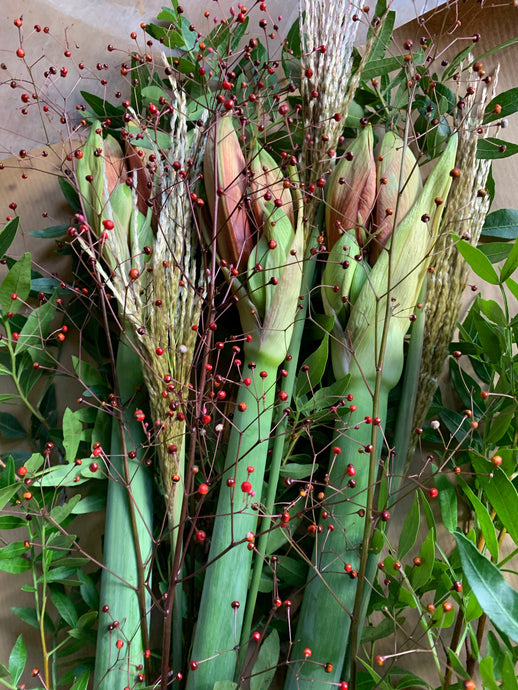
column 224, row 171
column 267, row 183
column 399, row 185
column 352, row 190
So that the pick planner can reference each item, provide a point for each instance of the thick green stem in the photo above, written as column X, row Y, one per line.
column 288, row 384
column 127, row 543
column 219, row 623
column 329, row 597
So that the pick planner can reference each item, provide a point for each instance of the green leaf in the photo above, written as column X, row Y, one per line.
column 508, row 102
column 509, row 679
column 224, row 685
column 492, row 148
column 6, row 493
column 7, row 235
column 297, row 470
column 4, row 671
column 72, row 431
column 513, row 287
column 65, row 607
column 15, row 565
column 479, row 262
column 36, row 329
column 82, row 682
column 61, row 512
column 484, row 520
column 50, row 233
column 316, row 363
column 28, row 615
column 501, row 493
column 511, row 263
column 10, row 427
column 70, row 194
column 379, row 68
column 447, row 502
column 487, row 673
column 410, row 528
column 502, row 224
column 18, row 281
column 457, row 666
column 88, row 590
column 496, row 251
column 422, row 574
column 384, row 37
column 496, row 597
column 266, row 664
column 17, row 660
column 492, row 311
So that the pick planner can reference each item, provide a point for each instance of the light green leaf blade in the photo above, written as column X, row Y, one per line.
column 265, row 666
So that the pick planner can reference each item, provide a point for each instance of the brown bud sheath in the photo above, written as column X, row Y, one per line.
column 224, row 171
column 352, row 190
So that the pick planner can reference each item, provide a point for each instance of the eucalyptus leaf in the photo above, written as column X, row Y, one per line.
column 492, row 148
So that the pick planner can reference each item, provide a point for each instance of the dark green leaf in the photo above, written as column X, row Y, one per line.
column 50, row 233
column 72, row 431
column 379, row 68
column 492, row 148
column 4, row 672
column 316, row 363
column 65, row 607
column 290, row 573
column 455, row 63
column 410, row 528
column 10, row 427
column 28, row 615
column 7, row 235
column 88, row 590
column 224, row 685
column 266, row 663
column 102, row 108
column 297, row 470
column 17, row 660
column 70, row 194
column 502, row 224
column 384, row 32
column 479, row 262
column 496, row 597
column 508, row 102
column 11, row 522
column 496, row 251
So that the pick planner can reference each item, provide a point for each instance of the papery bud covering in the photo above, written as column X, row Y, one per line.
column 352, row 190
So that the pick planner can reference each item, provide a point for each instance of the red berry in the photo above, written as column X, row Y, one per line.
column 256, row 636
column 351, row 470
column 433, row 493
column 22, row 471
column 108, row 224
column 119, row 644
column 193, row 665
column 20, row 52
column 203, row 489
column 246, row 487
column 307, row 652
column 337, row 450
column 94, row 467
column 201, row 536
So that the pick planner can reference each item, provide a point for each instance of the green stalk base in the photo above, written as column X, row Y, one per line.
column 115, row 668
column 219, row 624
column 326, row 612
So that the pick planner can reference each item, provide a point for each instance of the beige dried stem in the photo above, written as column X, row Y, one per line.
column 328, row 33
column 464, row 216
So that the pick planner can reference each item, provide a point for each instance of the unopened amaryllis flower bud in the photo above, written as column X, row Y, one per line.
column 352, row 190
column 399, row 185
column 267, row 183
column 225, row 177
